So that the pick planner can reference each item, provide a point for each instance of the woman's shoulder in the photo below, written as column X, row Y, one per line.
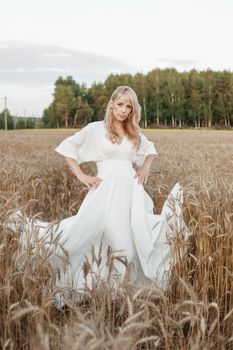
column 95, row 125
column 90, row 127
column 141, row 133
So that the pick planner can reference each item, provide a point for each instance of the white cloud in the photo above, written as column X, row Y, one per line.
column 177, row 61
column 28, row 72
column 58, row 54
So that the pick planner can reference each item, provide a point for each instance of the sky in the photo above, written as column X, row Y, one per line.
column 41, row 40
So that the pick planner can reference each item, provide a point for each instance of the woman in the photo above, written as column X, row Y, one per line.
column 117, row 213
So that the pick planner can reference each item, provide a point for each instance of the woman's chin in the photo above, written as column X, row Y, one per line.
column 121, row 119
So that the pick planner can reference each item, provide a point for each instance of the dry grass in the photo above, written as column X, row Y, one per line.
column 196, row 312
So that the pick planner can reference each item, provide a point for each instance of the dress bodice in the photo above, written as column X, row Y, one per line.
column 91, row 144
column 122, row 151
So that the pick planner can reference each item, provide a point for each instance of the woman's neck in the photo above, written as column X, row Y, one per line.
column 118, row 125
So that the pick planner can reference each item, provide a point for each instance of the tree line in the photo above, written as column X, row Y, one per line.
column 19, row 122
column 168, row 99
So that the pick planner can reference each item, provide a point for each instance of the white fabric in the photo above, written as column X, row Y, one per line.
column 91, row 144
column 118, row 213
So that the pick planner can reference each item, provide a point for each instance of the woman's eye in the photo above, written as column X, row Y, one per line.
column 120, row 104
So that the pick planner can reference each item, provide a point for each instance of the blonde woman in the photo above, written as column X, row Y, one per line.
column 117, row 213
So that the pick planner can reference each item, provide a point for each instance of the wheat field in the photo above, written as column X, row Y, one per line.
column 195, row 312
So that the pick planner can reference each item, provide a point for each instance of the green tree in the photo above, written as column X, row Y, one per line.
column 30, row 123
column 208, row 76
column 98, row 96
column 64, row 103
column 196, row 101
column 20, row 123
column 49, row 118
column 141, row 88
column 223, row 106
column 10, row 121
column 155, row 98
column 83, row 112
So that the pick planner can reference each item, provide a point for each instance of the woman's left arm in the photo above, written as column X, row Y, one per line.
column 145, row 157
column 143, row 172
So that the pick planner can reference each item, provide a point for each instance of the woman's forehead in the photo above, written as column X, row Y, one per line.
column 123, row 98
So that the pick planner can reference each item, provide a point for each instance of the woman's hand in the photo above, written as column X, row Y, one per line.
column 88, row 180
column 142, row 174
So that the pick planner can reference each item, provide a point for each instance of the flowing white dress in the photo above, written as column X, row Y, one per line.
column 118, row 214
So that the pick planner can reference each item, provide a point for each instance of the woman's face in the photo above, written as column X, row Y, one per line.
column 122, row 107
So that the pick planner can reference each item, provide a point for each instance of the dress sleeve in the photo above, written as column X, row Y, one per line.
column 146, row 147
column 72, row 145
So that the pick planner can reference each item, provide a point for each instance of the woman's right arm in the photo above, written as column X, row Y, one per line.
column 71, row 147
column 88, row 180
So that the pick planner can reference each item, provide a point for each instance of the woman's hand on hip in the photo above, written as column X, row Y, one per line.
column 142, row 174
column 89, row 181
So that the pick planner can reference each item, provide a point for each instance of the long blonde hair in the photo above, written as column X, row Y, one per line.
column 131, row 124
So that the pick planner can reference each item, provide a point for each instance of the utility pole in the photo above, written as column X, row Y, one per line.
column 5, row 112
column 15, row 119
column 25, row 121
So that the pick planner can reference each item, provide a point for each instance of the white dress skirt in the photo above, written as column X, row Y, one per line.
column 117, row 216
